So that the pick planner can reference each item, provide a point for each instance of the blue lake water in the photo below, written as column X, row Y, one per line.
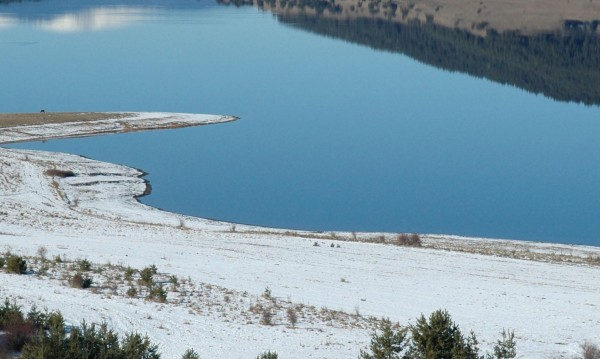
column 333, row 135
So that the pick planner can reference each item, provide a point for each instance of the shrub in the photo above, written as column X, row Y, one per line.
column 266, row 317
column 415, row 240
column 88, row 341
column 132, row 292
column 190, row 354
column 136, row 346
column 157, row 293
column 440, row 338
column 389, row 344
column 267, row 294
column 85, row 265
column 42, row 252
column 36, row 317
column 52, row 342
column 8, row 312
column 402, row 239
column 506, row 348
column 44, row 335
column 19, row 331
column 411, row 240
column 590, row 351
column 268, row 355
column 174, row 283
column 16, row 264
column 78, row 281
column 292, row 316
column 129, row 272
column 147, row 276
column 2, row 262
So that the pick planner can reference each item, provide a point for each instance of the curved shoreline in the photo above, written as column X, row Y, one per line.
column 123, row 122
column 79, row 208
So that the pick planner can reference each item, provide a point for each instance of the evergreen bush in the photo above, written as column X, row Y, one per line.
column 8, row 311
column 129, row 272
column 16, row 264
column 440, row 338
column 506, row 348
column 132, row 292
column 85, row 265
column 268, row 355
column 157, row 293
column 147, row 276
column 190, row 354
column 390, row 343
column 79, row 281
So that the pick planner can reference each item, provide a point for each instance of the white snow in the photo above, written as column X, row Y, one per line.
column 552, row 306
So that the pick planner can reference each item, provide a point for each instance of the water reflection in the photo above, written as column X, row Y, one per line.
column 550, row 47
column 95, row 19
column 67, row 17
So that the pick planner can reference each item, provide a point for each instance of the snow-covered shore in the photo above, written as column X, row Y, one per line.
column 91, row 212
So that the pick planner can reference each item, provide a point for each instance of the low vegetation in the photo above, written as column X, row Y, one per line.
column 590, row 351
column 16, row 264
column 44, row 335
column 79, row 281
column 268, row 355
column 435, row 338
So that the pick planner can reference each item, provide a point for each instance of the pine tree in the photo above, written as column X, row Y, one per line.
column 441, row 338
column 51, row 341
column 506, row 348
column 268, row 355
column 190, row 354
column 389, row 344
column 137, row 347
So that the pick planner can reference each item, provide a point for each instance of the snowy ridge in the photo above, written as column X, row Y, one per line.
column 90, row 211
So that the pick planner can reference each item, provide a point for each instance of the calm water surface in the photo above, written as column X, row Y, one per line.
column 332, row 136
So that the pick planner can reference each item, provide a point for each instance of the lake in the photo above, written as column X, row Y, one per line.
column 381, row 120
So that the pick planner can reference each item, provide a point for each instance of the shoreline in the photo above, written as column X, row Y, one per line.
column 124, row 122
column 93, row 214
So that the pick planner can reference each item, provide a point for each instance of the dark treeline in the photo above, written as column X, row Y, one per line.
column 565, row 66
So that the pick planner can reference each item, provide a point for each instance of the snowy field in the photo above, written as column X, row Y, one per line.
column 551, row 300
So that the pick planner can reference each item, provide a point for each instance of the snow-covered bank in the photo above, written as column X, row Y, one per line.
column 122, row 122
column 91, row 212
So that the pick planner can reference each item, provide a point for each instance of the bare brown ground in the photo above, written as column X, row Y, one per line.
column 40, row 118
